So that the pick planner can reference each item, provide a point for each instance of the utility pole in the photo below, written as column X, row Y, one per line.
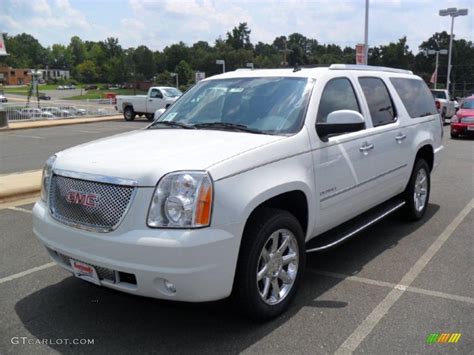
column 437, row 52
column 285, row 52
column 366, row 33
column 453, row 12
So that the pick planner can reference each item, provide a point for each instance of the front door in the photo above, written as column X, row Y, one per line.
column 343, row 165
column 155, row 101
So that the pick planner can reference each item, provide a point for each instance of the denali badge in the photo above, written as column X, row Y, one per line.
column 82, row 198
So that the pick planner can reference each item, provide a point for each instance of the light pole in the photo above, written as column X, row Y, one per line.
column 453, row 12
column 221, row 62
column 366, row 33
column 175, row 75
column 437, row 52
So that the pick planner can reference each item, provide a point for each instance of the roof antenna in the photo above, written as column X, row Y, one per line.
column 296, row 68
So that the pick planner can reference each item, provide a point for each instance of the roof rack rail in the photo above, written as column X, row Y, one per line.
column 368, row 67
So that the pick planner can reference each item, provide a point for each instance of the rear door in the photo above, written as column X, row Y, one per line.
column 389, row 136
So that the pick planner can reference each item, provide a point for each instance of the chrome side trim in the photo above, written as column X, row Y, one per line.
column 363, row 183
column 96, row 178
column 355, row 231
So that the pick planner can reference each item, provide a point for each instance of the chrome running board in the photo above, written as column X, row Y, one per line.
column 347, row 230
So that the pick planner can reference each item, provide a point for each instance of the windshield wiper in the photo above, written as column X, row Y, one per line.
column 228, row 125
column 171, row 124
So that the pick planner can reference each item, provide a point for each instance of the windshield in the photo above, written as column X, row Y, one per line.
column 271, row 105
column 171, row 92
column 468, row 104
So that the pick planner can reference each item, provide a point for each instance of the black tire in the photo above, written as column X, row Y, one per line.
column 454, row 135
column 150, row 116
column 256, row 237
column 129, row 114
column 413, row 213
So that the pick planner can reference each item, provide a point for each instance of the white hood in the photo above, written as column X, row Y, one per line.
column 146, row 155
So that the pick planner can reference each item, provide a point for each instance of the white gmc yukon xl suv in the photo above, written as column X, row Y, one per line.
column 248, row 171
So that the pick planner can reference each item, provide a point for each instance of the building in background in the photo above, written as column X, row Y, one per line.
column 12, row 76
column 54, row 74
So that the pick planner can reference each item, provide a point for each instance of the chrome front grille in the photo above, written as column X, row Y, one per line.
column 92, row 205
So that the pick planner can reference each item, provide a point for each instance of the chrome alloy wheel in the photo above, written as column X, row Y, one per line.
column 277, row 266
column 421, row 190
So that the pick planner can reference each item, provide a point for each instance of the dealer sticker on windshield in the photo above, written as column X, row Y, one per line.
column 84, row 271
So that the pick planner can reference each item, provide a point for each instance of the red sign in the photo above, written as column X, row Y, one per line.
column 360, row 54
column 3, row 50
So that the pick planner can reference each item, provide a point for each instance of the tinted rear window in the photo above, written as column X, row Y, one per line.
column 379, row 101
column 439, row 95
column 416, row 97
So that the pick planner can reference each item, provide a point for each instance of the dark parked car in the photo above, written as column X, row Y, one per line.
column 91, row 87
column 43, row 96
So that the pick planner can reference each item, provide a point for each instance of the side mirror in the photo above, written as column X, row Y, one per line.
column 159, row 112
column 341, row 121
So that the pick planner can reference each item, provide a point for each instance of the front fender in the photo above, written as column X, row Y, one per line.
column 237, row 197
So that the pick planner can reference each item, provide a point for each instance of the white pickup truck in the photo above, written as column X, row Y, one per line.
column 444, row 103
column 242, row 176
column 157, row 97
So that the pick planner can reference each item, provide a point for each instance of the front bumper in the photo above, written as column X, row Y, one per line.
column 462, row 129
column 200, row 263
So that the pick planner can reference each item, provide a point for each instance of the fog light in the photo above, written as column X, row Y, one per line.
column 169, row 286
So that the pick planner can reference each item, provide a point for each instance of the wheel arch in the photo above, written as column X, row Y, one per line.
column 426, row 152
column 294, row 202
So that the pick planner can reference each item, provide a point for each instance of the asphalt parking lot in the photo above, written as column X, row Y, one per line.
column 380, row 293
column 28, row 149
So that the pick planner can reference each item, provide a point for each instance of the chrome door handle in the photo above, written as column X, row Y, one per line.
column 400, row 137
column 366, row 147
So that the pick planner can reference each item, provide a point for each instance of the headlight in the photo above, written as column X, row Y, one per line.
column 46, row 179
column 182, row 200
column 455, row 119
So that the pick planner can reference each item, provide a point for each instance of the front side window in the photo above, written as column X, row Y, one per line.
column 338, row 94
column 267, row 105
column 379, row 101
column 415, row 96
column 156, row 94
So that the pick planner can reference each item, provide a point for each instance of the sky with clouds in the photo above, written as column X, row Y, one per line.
column 158, row 23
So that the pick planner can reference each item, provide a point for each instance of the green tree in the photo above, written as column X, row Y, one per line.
column 78, row 50
column 87, row 71
column 185, row 72
column 25, row 52
column 143, row 60
column 239, row 37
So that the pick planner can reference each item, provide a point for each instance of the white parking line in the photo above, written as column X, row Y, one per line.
column 26, row 272
column 25, row 136
column 367, row 281
column 19, row 209
column 366, row 327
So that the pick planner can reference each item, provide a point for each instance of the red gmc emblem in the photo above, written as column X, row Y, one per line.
column 82, row 198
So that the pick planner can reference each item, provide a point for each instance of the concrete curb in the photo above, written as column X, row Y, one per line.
column 42, row 124
column 20, row 186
